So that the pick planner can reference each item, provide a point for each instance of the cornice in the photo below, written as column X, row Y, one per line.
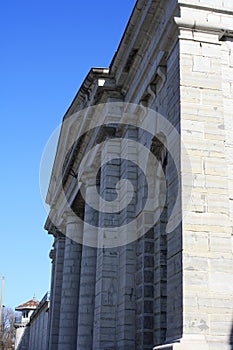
column 84, row 92
column 134, row 21
column 154, row 34
column 214, row 8
column 97, row 82
column 211, row 20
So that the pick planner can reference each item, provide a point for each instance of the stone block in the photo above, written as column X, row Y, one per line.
column 201, row 64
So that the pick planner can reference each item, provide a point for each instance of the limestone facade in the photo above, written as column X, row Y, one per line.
column 171, row 288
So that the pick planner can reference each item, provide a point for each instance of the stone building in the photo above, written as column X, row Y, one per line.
column 31, row 324
column 21, row 325
column 162, row 279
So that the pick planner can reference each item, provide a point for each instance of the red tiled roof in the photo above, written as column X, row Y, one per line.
column 29, row 305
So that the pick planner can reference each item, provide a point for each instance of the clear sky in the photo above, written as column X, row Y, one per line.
column 47, row 48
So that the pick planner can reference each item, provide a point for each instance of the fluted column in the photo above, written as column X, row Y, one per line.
column 70, row 284
column 88, row 276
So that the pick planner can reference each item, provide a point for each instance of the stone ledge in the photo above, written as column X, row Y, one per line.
column 209, row 5
column 164, row 347
column 194, row 342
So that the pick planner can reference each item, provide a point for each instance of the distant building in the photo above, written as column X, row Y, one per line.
column 31, row 325
column 22, row 320
column 170, row 289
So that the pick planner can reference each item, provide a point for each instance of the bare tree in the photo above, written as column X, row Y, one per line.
column 7, row 331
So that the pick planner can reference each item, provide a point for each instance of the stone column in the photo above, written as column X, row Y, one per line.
column 126, row 297
column 126, row 331
column 88, row 275
column 104, row 336
column 70, row 284
column 160, row 280
column 57, row 256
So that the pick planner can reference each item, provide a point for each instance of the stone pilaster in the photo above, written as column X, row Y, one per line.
column 70, row 285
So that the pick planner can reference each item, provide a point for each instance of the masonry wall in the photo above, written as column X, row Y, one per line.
column 206, row 130
column 39, row 330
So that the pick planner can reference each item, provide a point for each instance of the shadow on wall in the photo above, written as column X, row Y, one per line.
column 24, row 342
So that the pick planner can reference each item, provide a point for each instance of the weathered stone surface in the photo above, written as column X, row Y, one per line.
column 174, row 288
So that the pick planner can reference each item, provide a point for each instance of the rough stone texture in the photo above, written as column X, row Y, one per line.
column 207, row 227
column 171, row 290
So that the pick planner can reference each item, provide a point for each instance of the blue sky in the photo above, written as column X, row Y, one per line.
column 47, row 48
